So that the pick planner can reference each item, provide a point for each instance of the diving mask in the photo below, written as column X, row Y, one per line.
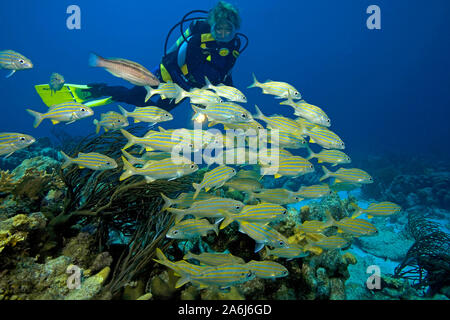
column 223, row 31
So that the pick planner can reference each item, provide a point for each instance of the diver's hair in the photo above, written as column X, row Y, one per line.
column 224, row 10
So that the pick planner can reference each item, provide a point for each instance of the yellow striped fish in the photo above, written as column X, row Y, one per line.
column 353, row 226
column 325, row 138
column 155, row 140
column 191, row 228
column 208, row 208
column 249, row 128
column 330, row 156
column 166, row 90
column 91, row 160
column 262, row 213
column 219, row 276
column 179, row 267
column 233, row 156
column 292, row 252
column 276, row 88
column 199, row 96
column 12, row 60
column 150, row 114
column 199, row 138
column 352, row 175
column 377, row 209
column 167, row 169
column 215, row 258
column 281, row 123
column 225, row 112
column 267, row 269
column 248, row 174
column 308, row 125
column 286, row 140
column 267, row 156
column 309, row 112
column 128, row 70
column 314, row 191
column 278, row 196
column 214, row 179
column 328, row 243
column 289, row 167
column 10, row 142
column 243, row 184
column 110, row 121
column 227, row 92
column 146, row 157
column 344, row 186
column 66, row 112
column 263, row 234
column 314, row 226
column 184, row 200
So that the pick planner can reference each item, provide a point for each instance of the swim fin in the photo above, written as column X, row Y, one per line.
column 69, row 92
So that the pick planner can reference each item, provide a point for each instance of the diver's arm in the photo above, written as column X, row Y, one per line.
column 228, row 81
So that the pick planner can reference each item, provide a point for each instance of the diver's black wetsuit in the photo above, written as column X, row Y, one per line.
column 204, row 57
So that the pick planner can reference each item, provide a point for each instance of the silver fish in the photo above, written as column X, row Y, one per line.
column 56, row 82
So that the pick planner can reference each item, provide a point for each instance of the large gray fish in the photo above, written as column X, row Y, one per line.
column 14, row 61
column 10, row 142
column 127, row 70
column 56, row 82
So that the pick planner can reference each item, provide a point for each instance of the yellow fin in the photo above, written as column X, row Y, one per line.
column 319, row 161
column 369, row 216
column 55, row 121
column 149, row 149
column 276, row 176
column 311, row 140
column 207, row 189
column 106, row 130
column 136, row 121
column 81, row 167
column 340, row 231
column 315, row 250
column 337, row 181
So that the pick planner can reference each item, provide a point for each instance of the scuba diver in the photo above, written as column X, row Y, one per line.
column 208, row 48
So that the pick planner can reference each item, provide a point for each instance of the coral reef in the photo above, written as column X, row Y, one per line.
column 18, row 235
column 31, row 280
column 427, row 262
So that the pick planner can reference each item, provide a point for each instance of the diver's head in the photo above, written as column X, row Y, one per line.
column 224, row 20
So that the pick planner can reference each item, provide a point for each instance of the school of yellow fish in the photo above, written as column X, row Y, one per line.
column 204, row 209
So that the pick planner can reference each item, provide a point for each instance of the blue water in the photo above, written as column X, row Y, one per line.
column 384, row 90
